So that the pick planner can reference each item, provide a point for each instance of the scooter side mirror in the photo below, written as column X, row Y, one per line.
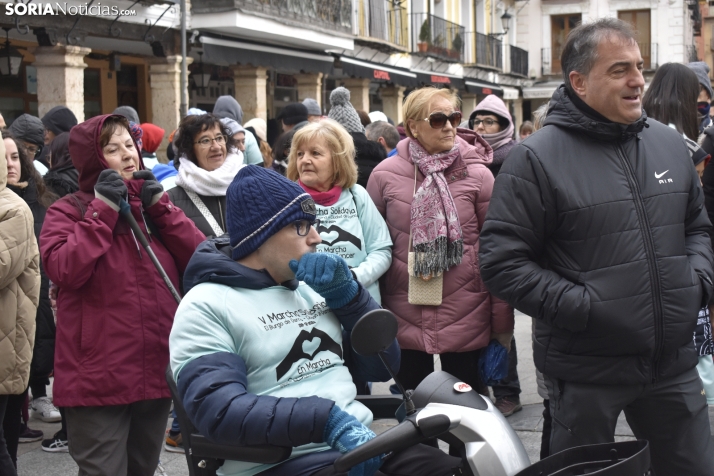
column 374, row 332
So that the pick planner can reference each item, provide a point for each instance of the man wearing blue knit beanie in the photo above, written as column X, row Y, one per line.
column 257, row 342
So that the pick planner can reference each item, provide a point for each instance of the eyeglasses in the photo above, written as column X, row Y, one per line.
column 437, row 120
column 32, row 149
column 205, row 143
column 486, row 122
column 303, row 226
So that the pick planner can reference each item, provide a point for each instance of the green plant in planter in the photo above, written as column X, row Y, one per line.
column 439, row 40
column 425, row 32
column 457, row 43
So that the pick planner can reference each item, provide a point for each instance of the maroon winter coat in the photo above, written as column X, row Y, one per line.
column 468, row 313
column 114, row 312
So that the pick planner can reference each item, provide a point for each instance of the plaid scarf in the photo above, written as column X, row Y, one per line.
column 436, row 231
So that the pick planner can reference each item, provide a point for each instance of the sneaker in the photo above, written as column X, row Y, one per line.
column 174, row 442
column 508, row 407
column 160, row 470
column 43, row 409
column 56, row 444
column 28, row 435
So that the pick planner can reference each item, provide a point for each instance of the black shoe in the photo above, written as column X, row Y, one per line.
column 56, row 444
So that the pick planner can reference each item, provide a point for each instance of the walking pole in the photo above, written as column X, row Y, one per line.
column 125, row 211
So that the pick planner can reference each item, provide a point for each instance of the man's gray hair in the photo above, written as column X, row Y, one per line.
column 383, row 129
column 580, row 50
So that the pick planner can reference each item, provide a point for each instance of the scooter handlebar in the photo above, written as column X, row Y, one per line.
column 402, row 436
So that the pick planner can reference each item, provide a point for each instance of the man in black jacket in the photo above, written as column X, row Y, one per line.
column 597, row 228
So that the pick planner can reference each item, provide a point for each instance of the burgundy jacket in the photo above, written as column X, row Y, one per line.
column 114, row 312
column 468, row 313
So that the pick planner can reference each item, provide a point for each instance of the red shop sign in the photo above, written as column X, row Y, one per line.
column 440, row 79
column 381, row 75
column 487, row 90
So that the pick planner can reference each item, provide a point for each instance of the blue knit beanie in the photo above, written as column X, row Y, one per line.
column 260, row 202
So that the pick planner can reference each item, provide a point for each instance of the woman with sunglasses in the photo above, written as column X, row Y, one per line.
column 492, row 121
column 208, row 161
column 442, row 220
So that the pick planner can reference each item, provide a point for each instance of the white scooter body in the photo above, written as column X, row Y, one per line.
column 492, row 446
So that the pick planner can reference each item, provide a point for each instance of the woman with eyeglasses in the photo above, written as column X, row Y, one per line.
column 114, row 310
column 208, row 160
column 492, row 121
column 434, row 194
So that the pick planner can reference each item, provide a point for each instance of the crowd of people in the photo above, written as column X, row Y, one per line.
column 594, row 219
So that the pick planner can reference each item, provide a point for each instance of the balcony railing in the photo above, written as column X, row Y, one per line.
column 483, row 50
column 692, row 54
column 435, row 36
column 380, row 20
column 550, row 59
column 335, row 15
column 519, row 61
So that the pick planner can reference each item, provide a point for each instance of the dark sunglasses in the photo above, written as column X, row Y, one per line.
column 303, row 226
column 437, row 120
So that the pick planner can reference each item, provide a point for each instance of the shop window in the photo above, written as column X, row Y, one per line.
column 128, row 86
column 18, row 95
column 92, row 93
column 285, row 92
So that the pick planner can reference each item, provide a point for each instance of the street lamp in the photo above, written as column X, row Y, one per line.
column 505, row 23
column 200, row 76
column 10, row 58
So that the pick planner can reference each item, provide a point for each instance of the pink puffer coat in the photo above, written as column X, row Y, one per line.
column 468, row 313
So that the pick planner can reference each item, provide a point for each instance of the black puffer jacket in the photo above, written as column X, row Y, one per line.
column 598, row 230
column 216, row 205
column 369, row 155
column 44, row 351
column 62, row 180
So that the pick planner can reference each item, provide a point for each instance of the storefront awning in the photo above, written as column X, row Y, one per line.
column 378, row 72
column 483, row 87
column 541, row 91
column 232, row 52
column 440, row 79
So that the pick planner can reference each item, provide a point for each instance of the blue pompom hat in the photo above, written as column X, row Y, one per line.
column 260, row 202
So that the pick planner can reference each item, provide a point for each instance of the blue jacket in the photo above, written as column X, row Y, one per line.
column 213, row 387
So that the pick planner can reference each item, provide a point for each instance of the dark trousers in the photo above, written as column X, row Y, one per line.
column 38, row 386
column 416, row 365
column 509, row 387
column 6, row 465
column 11, row 424
column 671, row 414
column 117, row 440
column 547, row 429
column 419, row 460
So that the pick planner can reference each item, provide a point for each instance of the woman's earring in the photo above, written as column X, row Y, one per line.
column 415, row 135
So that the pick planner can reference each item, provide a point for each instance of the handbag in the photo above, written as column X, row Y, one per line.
column 421, row 292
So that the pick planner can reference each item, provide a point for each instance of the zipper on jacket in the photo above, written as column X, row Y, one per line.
column 220, row 210
column 651, row 259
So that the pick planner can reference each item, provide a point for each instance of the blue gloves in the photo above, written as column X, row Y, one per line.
column 343, row 432
column 329, row 275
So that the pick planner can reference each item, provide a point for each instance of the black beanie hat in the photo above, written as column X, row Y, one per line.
column 293, row 113
column 29, row 129
column 59, row 119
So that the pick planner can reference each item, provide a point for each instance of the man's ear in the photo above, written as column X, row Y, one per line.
column 383, row 142
column 579, row 83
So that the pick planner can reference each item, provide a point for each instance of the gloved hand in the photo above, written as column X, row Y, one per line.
column 504, row 339
column 329, row 275
column 343, row 432
column 151, row 190
column 110, row 188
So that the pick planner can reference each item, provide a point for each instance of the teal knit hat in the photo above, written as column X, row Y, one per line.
column 260, row 202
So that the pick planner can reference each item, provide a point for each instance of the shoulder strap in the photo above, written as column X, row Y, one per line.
column 409, row 248
column 217, row 230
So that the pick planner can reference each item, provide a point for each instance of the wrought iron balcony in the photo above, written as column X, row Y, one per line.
column 334, row 15
column 519, row 61
column 435, row 36
column 550, row 59
column 384, row 24
column 484, row 50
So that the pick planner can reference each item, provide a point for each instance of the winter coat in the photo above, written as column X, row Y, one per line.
column 598, row 230
column 468, row 313
column 62, row 180
column 44, row 350
column 215, row 205
column 19, row 288
column 114, row 312
column 368, row 155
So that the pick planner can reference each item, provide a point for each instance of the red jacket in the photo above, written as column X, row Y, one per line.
column 468, row 312
column 114, row 312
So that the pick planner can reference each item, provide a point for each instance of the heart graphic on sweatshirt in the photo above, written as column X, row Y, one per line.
column 312, row 347
column 339, row 234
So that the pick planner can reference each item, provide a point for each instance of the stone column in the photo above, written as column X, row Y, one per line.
column 359, row 93
column 60, row 78
column 468, row 104
column 518, row 112
column 165, row 78
column 392, row 103
column 309, row 86
column 250, row 91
